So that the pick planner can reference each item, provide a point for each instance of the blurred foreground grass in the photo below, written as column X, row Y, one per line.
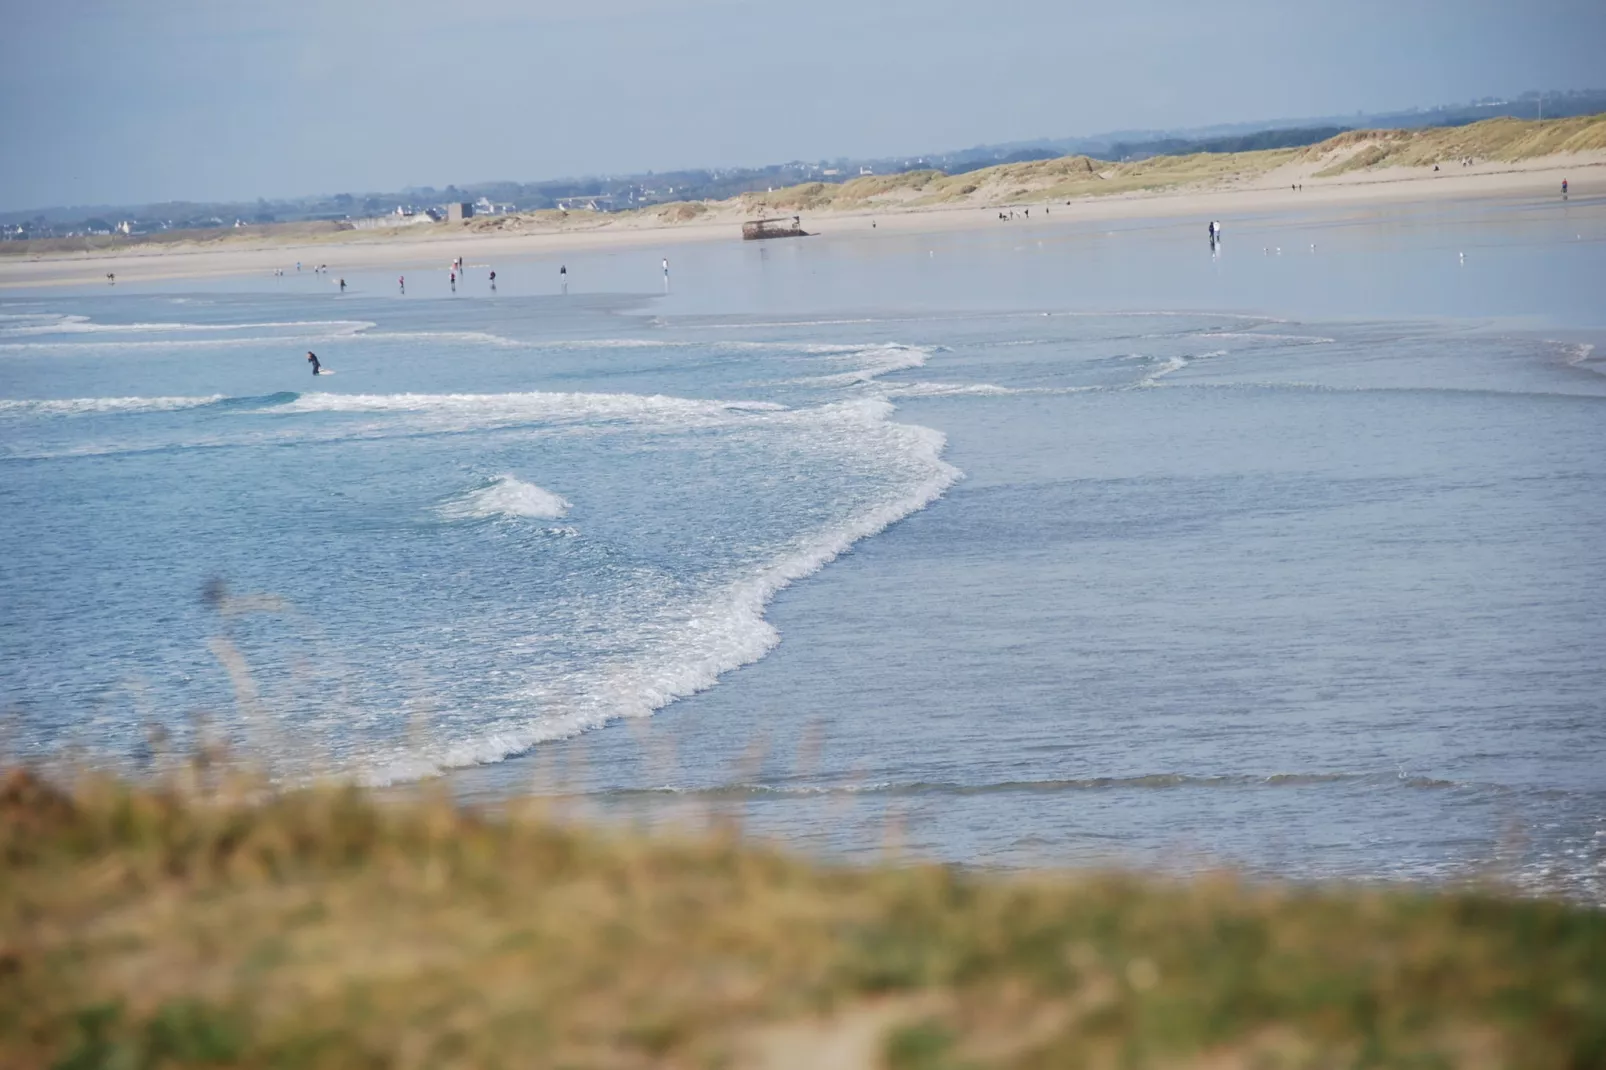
column 146, row 927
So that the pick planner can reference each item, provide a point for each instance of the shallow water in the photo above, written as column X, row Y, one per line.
column 1286, row 560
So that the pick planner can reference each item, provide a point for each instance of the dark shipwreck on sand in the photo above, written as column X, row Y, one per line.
column 757, row 229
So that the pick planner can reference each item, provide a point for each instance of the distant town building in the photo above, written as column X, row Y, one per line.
column 458, row 211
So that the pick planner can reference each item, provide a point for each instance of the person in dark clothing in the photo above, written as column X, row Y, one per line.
column 312, row 358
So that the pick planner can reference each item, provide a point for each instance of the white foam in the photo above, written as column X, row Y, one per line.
column 719, row 632
column 486, row 410
column 872, row 362
column 310, row 332
column 485, row 338
column 1264, row 336
column 83, row 325
column 90, row 406
column 412, row 414
column 1169, row 365
column 947, row 390
column 507, row 496
column 1576, row 354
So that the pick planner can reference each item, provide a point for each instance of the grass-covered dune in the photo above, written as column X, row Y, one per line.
column 1502, row 140
column 152, row 927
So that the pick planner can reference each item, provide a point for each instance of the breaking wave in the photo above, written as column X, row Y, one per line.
column 92, row 406
column 507, row 496
column 720, row 630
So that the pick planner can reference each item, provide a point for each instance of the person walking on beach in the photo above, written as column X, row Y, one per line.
column 342, row 285
column 401, row 281
column 493, row 280
column 312, row 359
column 1564, row 189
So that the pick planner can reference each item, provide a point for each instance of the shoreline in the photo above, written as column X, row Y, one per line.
column 405, row 249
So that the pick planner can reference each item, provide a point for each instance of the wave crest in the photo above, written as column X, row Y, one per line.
column 507, row 496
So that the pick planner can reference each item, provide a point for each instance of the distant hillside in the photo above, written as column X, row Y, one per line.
column 1119, row 144
column 1506, row 140
column 1027, row 183
column 1265, row 139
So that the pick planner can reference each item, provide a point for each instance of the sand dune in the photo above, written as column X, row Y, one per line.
column 1499, row 157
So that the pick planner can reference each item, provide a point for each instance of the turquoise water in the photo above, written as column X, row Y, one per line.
column 1038, row 545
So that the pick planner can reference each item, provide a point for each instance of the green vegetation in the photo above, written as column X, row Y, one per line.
column 1506, row 140
column 153, row 926
column 681, row 211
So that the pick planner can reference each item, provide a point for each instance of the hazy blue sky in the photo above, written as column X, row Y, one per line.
column 118, row 101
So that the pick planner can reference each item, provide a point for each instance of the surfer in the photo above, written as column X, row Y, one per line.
column 312, row 359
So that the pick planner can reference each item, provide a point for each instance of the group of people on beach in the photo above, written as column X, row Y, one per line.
column 321, row 269
column 454, row 270
column 1214, row 227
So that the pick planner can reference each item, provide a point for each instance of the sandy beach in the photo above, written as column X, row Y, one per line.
column 411, row 248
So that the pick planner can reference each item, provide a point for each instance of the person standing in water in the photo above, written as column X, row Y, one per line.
column 493, row 280
column 342, row 285
column 312, row 359
column 401, row 281
column 563, row 277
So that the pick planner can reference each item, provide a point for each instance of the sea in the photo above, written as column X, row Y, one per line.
column 1033, row 543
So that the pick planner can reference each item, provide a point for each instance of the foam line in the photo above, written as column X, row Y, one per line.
column 722, row 631
column 92, row 406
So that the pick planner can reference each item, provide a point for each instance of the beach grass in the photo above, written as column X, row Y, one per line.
column 207, row 923
column 1504, row 140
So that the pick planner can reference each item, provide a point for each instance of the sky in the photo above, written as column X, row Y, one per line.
column 125, row 102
